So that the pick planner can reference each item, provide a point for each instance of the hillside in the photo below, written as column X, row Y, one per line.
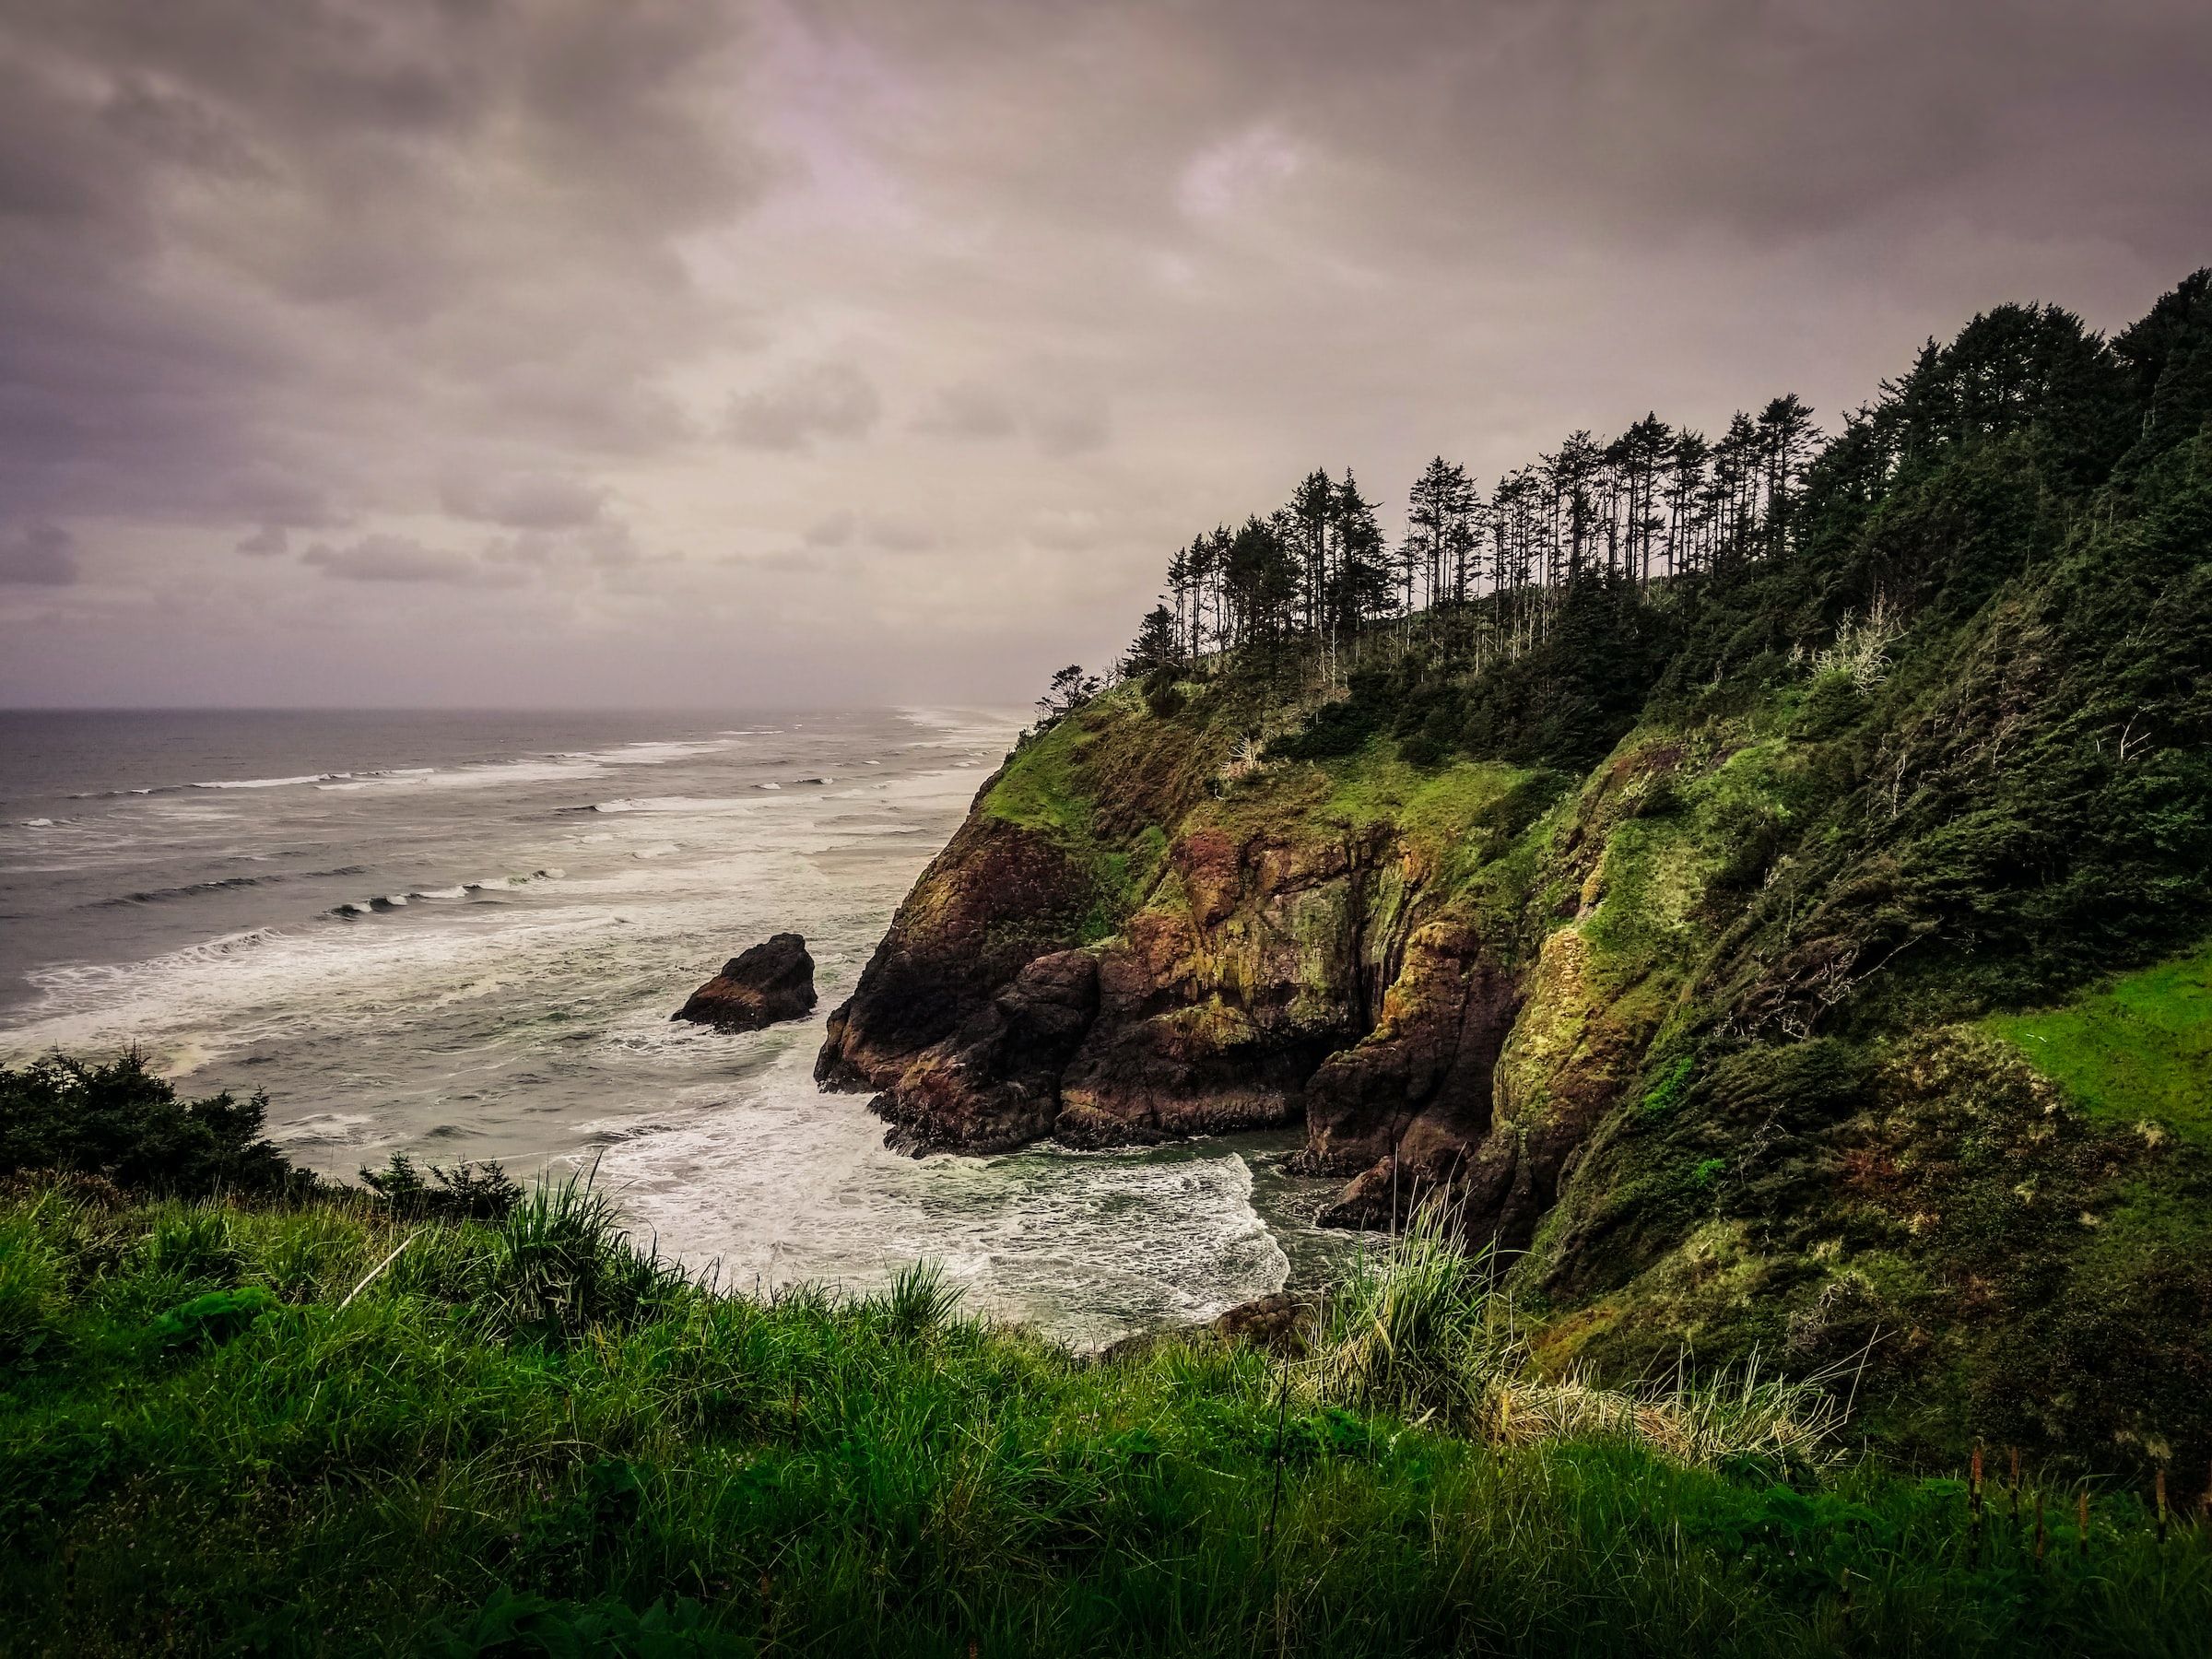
column 1786, row 941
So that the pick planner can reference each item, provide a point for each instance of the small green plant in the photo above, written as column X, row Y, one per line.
column 212, row 1320
column 467, row 1192
column 1667, row 1091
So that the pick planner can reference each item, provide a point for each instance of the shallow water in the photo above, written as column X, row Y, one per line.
column 460, row 936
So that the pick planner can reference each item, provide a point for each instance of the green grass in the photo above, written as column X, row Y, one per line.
column 231, row 1429
column 1041, row 788
column 2139, row 1049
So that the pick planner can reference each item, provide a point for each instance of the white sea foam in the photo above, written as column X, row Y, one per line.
column 273, row 782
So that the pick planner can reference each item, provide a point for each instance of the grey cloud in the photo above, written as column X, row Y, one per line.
column 1070, row 423
column 38, row 554
column 823, row 400
column 1065, row 530
column 336, row 232
column 845, row 529
column 524, row 501
column 281, row 275
column 1061, row 418
column 381, row 558
column 969, row 410
column 896, row 534
column 269, row 493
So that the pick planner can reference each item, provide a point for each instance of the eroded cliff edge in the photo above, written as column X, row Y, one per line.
column 1134, row 938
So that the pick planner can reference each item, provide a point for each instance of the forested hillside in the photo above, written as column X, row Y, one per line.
column 1703, row 867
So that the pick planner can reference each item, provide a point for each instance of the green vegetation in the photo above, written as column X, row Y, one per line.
column 2140, row 1051
column 1042, row 788
column 1780, row 771
column 319, row 1428
column 119, row 1122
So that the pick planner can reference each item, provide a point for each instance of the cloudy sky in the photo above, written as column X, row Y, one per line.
column 684, row 353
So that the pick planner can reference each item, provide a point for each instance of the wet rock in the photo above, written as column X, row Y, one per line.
column 994, row 1084
column 998, row 897
column 1285, row 1323
column 1566, row 1062
column 772, row 982
column 1406, row 1109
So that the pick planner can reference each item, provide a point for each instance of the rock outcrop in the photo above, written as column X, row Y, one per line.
column 994, row 1083
column 994, row 899
column 1276, row 965
column 1403, row 1111
column 770, row 983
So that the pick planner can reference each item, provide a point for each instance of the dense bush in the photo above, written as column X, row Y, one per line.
column 466, row 1192
column 123, row 1122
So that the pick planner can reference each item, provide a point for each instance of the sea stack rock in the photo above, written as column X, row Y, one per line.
column 773, row 980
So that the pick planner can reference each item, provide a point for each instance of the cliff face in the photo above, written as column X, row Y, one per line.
column 1396, row 959
column 1294, row 946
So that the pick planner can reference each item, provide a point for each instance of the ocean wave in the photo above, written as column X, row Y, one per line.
column 657, row 754
column 375, row 777
column 185, row 891
column 382, row 902
column 207, row 950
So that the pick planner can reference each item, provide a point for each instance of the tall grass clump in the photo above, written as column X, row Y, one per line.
column 558, row 1262
column 33, row 1289
column 1418, row 1327
column 1422, row 1328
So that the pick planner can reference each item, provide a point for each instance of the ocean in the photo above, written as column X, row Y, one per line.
column 460, row 936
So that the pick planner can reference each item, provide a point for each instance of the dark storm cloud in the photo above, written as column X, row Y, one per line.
column 229, row 232
column 955, row 315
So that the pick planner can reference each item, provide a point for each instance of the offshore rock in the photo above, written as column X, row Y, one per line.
column 772, row 982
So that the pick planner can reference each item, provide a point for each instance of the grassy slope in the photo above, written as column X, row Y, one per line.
column 527, row 1412
column 2138, row 1051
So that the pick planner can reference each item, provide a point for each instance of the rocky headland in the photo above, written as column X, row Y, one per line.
column 1767, row 964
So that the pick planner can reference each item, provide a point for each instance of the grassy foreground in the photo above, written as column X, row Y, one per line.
column 316, row 1427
